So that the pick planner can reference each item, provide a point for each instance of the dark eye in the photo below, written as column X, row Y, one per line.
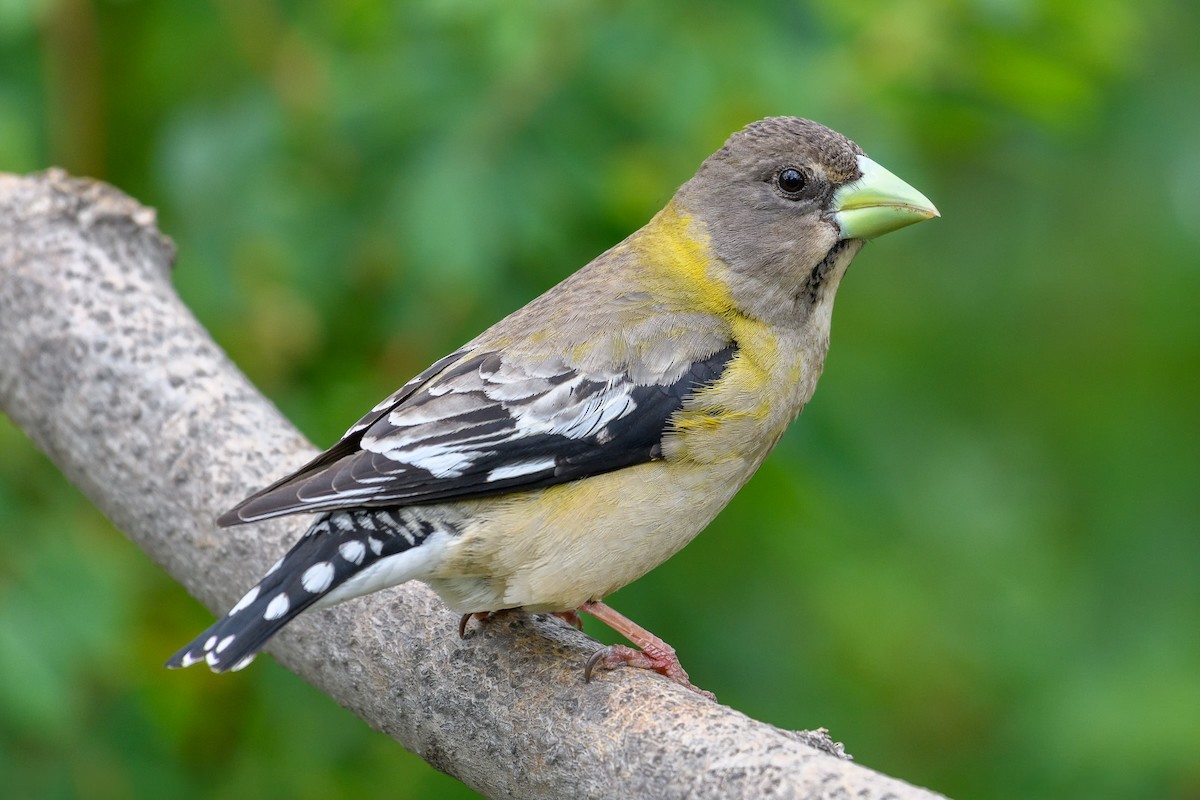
column 790, row 181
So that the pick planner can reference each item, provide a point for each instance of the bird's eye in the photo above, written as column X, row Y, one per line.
column 790, row 181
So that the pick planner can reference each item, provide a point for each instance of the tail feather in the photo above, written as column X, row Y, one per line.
column 344, row 554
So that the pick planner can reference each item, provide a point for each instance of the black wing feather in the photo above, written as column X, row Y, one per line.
column 348, row 444
column 481, row 427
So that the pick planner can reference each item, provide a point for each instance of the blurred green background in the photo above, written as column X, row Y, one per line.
column 975, row 559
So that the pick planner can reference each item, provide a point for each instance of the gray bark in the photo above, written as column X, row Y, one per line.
column 108, row 373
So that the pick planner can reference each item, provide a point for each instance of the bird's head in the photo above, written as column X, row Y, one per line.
column 786, row 203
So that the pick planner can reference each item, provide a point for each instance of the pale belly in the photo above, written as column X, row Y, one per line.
column 557, row 548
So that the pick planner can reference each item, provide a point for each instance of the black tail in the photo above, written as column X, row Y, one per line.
column 338, row 547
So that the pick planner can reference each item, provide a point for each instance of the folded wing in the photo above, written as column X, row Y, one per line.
column 480, row 424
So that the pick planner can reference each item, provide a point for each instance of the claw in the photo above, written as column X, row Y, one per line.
column 655, row 654
column 482, row 616
column 591, row 662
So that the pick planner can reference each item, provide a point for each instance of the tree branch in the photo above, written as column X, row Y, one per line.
column 107, row 371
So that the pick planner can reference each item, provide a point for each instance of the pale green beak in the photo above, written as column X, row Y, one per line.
column 878, row 203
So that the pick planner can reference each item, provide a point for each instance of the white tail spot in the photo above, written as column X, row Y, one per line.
column 317, row 578
column 278, row 606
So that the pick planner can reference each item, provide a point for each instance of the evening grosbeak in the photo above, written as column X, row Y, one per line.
column 585, row 438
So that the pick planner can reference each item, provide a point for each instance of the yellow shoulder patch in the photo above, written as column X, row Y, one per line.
column 675, row 252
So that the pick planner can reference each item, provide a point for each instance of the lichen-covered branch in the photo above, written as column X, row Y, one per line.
column 107, row 371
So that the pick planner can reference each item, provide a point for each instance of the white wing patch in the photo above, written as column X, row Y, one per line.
column 441, row 461
column 456, row 423
column 581, row 420
column 519, row 469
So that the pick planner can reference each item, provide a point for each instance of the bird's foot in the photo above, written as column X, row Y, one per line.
column 655, row 654
column 661, row 660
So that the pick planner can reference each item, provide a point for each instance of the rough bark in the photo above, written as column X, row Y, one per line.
column 108, row 372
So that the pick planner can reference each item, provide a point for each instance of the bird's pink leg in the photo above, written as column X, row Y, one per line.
column 655, row 654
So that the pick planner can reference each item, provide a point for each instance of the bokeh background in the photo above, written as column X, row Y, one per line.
column 975, row 559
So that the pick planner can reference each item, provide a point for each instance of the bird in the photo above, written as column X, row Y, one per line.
column 588, row 436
